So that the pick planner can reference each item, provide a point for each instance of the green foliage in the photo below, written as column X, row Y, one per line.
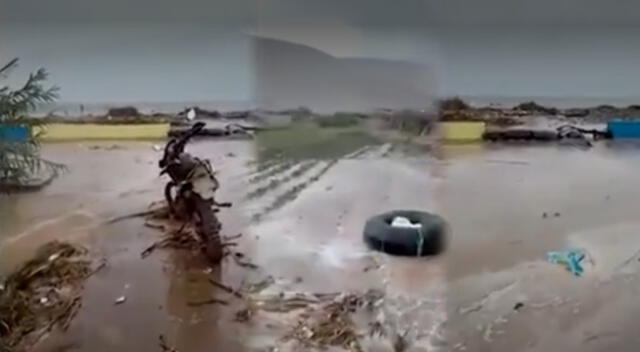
column 20, row 160
column 307, row 141
column 452, row 104
column 339, row 119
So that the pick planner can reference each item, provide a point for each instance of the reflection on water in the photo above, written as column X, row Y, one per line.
column 10, row 217
column 195, row 327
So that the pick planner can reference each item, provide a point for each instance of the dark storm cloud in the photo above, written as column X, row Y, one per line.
column 409, row 12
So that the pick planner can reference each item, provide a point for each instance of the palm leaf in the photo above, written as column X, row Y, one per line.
column 21, row 161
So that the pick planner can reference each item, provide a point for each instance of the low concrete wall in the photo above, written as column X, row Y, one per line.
column 462, row 131
column 70, row 131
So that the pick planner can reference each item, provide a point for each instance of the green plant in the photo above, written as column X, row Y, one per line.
column 452, row 104
column 20, row 160
column 339, row 119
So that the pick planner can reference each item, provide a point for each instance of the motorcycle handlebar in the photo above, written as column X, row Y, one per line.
column 176, row 146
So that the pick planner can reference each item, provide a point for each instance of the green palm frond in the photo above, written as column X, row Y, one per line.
column 21, row 161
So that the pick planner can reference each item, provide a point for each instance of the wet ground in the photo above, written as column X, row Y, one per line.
column 508, row 207
column 301, row 215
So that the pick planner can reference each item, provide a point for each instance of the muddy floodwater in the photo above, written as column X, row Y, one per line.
column 301, row 217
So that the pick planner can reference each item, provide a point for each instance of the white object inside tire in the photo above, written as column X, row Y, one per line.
column 400, row 221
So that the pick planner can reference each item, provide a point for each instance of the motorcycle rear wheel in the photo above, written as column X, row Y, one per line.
column 208, row 229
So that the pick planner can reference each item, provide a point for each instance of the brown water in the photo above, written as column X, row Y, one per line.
column 493, row 197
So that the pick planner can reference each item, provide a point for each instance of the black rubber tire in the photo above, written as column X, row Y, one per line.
column 208, row 230
column 381, row 236
column 545, row 135
column 518, row 134
column 492, row 136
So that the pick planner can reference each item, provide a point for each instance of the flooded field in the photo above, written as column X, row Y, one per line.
column 301, row 206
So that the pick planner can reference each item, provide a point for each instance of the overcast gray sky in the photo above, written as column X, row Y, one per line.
column 359, row 12
column 159, row 50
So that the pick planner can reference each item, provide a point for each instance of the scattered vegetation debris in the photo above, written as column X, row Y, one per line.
column 228, row 244
column 207, row 302
column 180, row 239
column 186, row 237
column 260, row 285
column 43, row 293
column 225, row 288
column 245, row 264
column 376, row 328
column 331, row 325
column 157, row 210
column 231, row 238
column 594, row 337
column 323, row 320
column 102, row 265
column 154, row 225
column 245, row 314
column 130, row 216
column 490, row 296
column 164, row 346
column 284, row 303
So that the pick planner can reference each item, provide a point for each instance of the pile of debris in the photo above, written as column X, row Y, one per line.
column 201, row 113
column 179, row 234
column 123, row 111
column 229, row 130
column 331, row 324
column 43, row 293
column 320, row 320
column 178, row 239
column 454, row 109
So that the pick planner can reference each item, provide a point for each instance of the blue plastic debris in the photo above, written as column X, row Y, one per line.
column 14, row 133
column 571, row 259
column 624, row 128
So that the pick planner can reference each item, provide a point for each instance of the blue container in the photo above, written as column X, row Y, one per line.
column 624, row 129
column 14, row 133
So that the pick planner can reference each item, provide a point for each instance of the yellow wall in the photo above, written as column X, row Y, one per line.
column 70, row 131
column 462, row 131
